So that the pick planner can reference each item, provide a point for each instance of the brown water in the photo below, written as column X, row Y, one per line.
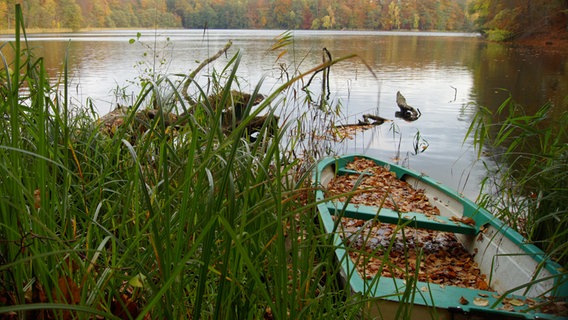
column 444, row 75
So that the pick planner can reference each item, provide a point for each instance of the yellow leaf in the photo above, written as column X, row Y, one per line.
column 137, row 281
column 516, row 302
column 482, row 302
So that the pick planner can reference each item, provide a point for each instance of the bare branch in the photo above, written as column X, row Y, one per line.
column 201, row 66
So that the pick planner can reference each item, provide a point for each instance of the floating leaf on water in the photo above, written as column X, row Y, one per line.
column 463, row 300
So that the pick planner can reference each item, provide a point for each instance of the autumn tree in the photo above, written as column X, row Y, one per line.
column 510, row 18
column 373, row 15
column 270, row 14
column 4, row 23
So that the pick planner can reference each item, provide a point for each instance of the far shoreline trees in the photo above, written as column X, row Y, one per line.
column 244, row 14
column 506, row 18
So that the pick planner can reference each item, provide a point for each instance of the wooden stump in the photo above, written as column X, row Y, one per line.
column 406, row 112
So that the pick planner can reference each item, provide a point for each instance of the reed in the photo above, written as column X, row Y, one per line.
column 189, row 223
column 527, row 184
column 193, row 222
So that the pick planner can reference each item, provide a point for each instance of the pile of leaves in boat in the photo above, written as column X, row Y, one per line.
column 394, row 251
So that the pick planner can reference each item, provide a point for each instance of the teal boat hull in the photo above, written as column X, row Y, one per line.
column 515, row 269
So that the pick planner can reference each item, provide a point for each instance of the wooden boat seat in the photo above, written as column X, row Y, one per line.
column 385, row 215
column 412, row 219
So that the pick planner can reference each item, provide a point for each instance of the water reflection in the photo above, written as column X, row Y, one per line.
column 440, row 74
column 532, row 76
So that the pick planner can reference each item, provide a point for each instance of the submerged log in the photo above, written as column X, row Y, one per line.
column 406, row 112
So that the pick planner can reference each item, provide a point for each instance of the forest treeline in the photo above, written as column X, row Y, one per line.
column 506, row 16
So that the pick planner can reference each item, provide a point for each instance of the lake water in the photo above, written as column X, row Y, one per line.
column 444, row 75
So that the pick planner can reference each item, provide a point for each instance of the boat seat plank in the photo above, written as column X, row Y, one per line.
column 413, row 219
column 343, row 171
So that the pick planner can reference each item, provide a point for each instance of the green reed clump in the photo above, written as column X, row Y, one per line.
column 151, row 218
column 529, row 188
column 178, row 221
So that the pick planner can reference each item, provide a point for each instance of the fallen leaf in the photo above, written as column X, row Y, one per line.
column 137, row 281
column 481, row 285
column 507, row 307
column 445, row 261
column 37, row 198
column 68, row 291
column 463, row 300
column 517, row 302
column 125, row 308
column 439, row 220
column 481, row 302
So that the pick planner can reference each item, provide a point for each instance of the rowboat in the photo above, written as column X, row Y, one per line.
column 519, row 277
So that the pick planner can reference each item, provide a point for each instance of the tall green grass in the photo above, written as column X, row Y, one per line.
column 195, row 222
column 189, row 223
column 527, row 184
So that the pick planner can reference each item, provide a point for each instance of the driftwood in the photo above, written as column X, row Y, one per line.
column 239, row 102
column 194, row 73
column 348, row 131
column 326, row 58
column 376, row 120
column 137, row 123
column 406, row 112
column 144, row 119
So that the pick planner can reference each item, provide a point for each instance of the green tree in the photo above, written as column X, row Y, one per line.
column 316, row 24
column 100, row 14
column 71, row 16
column 231, row 15
column 281, row 13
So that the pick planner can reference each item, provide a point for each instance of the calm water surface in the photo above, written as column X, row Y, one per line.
column 444, row 75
